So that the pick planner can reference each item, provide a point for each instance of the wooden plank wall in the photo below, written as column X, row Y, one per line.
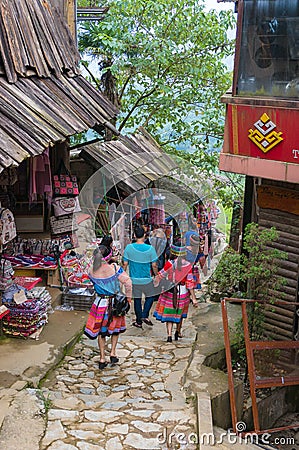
column 282, row 322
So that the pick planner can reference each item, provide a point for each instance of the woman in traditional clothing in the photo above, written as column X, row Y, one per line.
column 107, row 241
column 173, row 304
column 193, row 256
column 101, row 323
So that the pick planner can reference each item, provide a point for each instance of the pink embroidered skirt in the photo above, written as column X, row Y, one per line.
column 98, row 320
column 165, row 312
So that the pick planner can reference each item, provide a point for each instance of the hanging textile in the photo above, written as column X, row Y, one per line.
column 206, row 245
column 157, row 211
column 118, row 232
column 40, row 181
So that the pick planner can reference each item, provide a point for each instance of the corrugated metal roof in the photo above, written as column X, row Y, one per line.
column 43, row 98
column 132, row 161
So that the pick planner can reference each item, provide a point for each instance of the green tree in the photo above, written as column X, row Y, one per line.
column 86, row 3
column 161, row 61
column 252, row 275
column 253, row 272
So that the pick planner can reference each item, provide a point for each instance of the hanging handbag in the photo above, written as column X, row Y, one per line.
column 6, row 274
column 64, row 184
column 65, row 205
column 120, row 304
column 7, row 226
column 63, row 225
column 67, row 242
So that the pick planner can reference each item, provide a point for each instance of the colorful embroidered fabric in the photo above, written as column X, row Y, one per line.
column 165, row 312
column 32, row 261
column 26, row 318
column 98, row 320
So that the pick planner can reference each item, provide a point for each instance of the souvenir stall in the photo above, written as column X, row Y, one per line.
column 45, row 217
column 206, row 217
column 78, row 292
column 24, row 307
column 148, row 210
column 44, row 211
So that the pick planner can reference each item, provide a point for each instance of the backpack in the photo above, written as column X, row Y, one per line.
column 7, row 226
column 6, row 274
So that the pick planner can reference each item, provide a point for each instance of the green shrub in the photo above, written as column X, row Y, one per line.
column 251, row 275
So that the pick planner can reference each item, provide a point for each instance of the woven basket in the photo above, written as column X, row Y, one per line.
column 81, row 302
column 74, row 283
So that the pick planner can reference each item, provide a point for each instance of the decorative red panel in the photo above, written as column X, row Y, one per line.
column 263, row 132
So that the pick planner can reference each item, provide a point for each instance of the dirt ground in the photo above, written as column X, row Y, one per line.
column 287, row 439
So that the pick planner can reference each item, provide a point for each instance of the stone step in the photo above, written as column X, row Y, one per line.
column 210, row 437
column 117, row 423
column 205, row 421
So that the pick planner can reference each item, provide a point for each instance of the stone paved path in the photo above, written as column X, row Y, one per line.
column 139, row 403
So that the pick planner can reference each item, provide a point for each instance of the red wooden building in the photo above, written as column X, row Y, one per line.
column 261, row 134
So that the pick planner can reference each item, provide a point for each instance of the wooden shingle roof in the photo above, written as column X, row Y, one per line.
column 35, row 40
column 132, row 161
column 43, row 97
column 38, row 112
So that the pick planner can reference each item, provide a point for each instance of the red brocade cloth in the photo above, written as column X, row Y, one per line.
column 27, row 282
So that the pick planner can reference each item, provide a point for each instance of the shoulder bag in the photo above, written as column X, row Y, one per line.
column 120, row 304
column 65, row 205
column 64, row 184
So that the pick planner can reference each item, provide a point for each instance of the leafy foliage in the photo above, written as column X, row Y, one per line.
column 261, row 264
column 167, row 58
column 253, row 272
column 225, row 280
column 202, row 168
column 161, row 61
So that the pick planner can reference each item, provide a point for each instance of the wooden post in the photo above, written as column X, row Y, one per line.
column 68, row 8
column 251, row 368
column 231, row 384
